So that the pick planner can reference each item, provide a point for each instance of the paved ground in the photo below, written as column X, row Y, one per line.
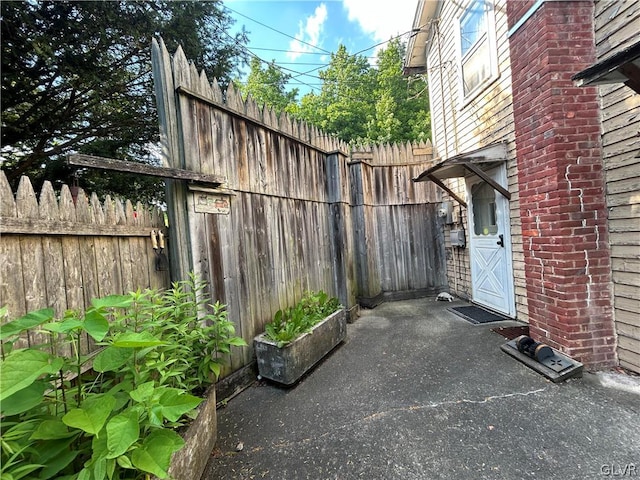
column 415, row 392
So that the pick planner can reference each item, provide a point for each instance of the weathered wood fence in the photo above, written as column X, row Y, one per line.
column 399, row 242
column 295, row 210
column 59, row 252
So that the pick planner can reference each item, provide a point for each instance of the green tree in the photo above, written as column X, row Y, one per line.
column 401, row 104
column 76, row 76
column 363, row 104
column 345, row 103
column 268, row 86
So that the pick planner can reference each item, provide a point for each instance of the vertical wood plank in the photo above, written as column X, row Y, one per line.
column 11, row 286
column 70, row 254
column 87, row 263
column 246, row 257
column 265, row 259
column 54, row 284
column 108, row 266
column 216, row 272
column 7, row 202
column 11, row 283
column 33, row 277
column 230, row 243
column 171, row 156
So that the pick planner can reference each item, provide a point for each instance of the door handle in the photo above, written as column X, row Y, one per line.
column 501, row 241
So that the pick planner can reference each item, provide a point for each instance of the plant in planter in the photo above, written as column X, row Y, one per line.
column 112, row 415
column 299, row 337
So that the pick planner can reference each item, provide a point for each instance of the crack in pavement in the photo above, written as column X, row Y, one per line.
column 453, row 402
column 410, row 408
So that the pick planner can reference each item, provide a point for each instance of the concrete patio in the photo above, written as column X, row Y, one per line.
column 416, row 392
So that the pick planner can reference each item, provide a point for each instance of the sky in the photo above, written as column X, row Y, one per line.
column 300, row 34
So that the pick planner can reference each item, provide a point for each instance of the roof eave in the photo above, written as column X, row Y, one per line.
column 422, row 34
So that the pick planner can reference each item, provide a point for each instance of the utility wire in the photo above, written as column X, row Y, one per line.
column 246, row 49
column 283, row 69
column 301, row 52
column 276, row 30
column 295, row 79
column 293, row 51
column 298, row 63
column 359, row 52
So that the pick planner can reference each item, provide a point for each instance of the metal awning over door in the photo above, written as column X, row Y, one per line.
column 475, row 162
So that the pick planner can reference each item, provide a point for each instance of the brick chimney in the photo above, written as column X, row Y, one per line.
column 561, row 180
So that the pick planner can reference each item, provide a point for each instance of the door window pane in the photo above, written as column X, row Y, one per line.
column 485, row 221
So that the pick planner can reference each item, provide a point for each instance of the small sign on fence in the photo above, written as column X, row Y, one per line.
column 207, row 200
column 208, row 203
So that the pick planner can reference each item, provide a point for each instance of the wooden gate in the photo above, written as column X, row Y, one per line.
column 292, row 210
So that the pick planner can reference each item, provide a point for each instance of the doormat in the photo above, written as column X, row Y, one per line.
column 511, row 332
column 477, row 315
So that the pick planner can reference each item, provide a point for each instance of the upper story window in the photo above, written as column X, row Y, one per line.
column 476, row 47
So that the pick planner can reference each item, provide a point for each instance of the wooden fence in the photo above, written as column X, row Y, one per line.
column 60, row 252
column 399, row 241
column 294, row 210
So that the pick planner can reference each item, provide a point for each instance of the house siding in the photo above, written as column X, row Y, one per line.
column 458, row 128
column 616, row 27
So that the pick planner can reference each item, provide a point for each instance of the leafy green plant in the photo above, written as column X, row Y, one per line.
column 289, row 324
column 196, row 336
column 63, row 419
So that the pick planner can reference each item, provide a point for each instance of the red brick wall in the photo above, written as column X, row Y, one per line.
column 567, row 256
column 516, row 10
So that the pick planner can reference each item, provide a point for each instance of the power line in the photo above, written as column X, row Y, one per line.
column 300, row 52
column 292, row 51
column 357, row 53
column 276, row 30
column 246, row 49
column 295, row 79
column 299, row 63
column 382, row 43
column 282, row 68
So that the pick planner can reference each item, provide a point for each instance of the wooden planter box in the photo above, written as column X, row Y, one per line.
column 189, row 462
column 287, row 364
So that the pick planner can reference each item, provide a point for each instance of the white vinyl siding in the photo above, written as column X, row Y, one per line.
column 460, row 125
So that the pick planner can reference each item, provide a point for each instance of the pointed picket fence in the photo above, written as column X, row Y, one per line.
column 306, row 212
column 60, row 252
column 189, row 82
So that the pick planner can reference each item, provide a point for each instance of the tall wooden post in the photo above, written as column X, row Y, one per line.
column 341, row 225
column 368, row 291
column 172, row 153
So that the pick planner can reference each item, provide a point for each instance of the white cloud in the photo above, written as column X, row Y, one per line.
column 309, row 31
column 381, row 19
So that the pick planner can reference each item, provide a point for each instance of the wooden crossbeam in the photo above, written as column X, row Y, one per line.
column 448, row 190
column 479, row 172
column 92, row 161
column 632, row 72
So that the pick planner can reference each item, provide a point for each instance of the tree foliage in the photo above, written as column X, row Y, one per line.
column 345, row 102
column 366, row 104
column 268, row 86
column 402, row 104
column 76, row 76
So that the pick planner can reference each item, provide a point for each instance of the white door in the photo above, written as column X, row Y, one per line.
column 490, row 244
